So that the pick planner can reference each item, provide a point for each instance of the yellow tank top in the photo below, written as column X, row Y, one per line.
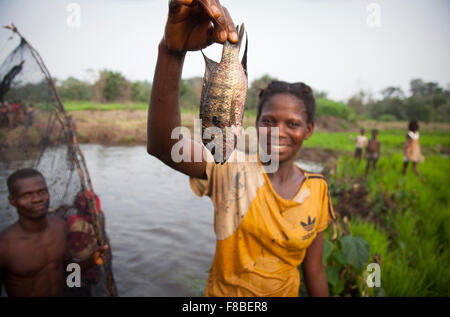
column 261, row 237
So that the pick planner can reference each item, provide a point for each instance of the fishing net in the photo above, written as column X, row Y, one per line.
column 36, row 132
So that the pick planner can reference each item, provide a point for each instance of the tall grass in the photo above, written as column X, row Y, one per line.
column 414, row 246
column 391, row 140
column 92, row 106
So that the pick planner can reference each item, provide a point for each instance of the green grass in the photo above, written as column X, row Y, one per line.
column 414, row 245
column 92, row 106
column 390, row 140
column 374, row 235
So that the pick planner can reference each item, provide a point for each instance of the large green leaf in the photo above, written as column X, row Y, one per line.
column 338, row 288
column 327, row 249
column 356, row 251
column 332, row 275
column 340, row 257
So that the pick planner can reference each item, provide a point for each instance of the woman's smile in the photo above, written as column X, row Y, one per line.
column 284, row 115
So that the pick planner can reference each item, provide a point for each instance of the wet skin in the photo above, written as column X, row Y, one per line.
column 287, row 113
column 33, row 250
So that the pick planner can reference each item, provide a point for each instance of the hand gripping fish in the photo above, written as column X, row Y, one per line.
column 222, row 99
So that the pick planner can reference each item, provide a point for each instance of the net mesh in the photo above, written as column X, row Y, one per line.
column 31, row 134
column 36, row 132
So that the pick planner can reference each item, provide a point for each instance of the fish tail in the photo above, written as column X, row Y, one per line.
column 241, row 31
column 232, row 49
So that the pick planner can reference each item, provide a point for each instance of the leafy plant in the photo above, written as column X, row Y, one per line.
column 345, row 258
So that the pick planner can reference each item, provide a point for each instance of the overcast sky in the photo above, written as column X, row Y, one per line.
column 338, row 46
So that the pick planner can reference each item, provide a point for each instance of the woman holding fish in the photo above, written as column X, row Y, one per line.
column 267, row 223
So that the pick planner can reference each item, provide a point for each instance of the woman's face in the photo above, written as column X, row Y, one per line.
column 287, row 113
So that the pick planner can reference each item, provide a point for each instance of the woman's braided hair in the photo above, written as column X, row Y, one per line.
column 300, row 90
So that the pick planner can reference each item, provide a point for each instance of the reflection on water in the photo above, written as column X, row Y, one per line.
column 161, row 233
column 309, row 166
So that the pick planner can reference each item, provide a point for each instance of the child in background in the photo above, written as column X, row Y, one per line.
column 361, row 143
column 373, row 151
column 411, row 148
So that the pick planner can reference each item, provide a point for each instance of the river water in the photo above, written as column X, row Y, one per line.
column 161, row 234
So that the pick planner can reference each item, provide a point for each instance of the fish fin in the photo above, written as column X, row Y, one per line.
column 241, row 31
column 210, row 65
column 244, row 57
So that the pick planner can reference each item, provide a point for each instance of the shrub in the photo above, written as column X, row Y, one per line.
column 387, row 118
column 326, row 107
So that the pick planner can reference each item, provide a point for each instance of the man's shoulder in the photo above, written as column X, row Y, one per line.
column 8, row 235
column 9, row 232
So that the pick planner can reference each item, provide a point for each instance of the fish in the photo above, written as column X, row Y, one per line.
column 222, row 99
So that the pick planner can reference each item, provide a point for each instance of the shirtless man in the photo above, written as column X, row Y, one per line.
column 373, row 151
column 33, row 251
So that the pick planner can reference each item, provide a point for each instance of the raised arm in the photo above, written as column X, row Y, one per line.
column 191, row 25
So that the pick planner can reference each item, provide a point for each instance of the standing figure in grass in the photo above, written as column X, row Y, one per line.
column 411, row 148
column 373, row 151
column 267, row 221
column 361, row 143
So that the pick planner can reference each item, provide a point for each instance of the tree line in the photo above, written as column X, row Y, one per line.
column 110, row 86
column 427, row 100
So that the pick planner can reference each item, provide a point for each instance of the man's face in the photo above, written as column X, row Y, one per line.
column 30, row 197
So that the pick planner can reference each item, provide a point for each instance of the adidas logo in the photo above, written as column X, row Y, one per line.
column 310, row 225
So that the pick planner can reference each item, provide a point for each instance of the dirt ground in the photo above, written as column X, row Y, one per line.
column 114, row 127
column 122, row 127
